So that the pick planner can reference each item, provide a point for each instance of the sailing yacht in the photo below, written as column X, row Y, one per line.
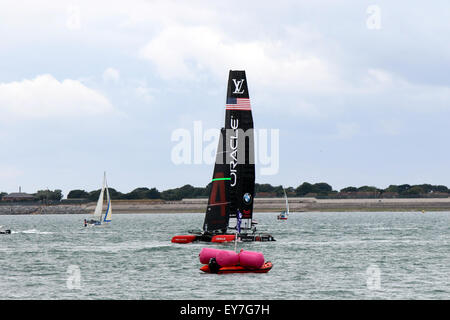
column 284, row 214
column 98, row 216
column 233, row 181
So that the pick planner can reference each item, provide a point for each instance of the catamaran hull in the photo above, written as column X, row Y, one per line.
column 267, row 266
column 222, row 238
column 256, row 237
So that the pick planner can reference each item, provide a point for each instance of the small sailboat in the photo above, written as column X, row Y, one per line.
column 4, row 231
column 284, row 214
column 98, row 216
column 233, row 180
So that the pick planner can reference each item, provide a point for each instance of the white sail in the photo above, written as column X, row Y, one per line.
column 108, row 212
column 287, row 203
column 99, row 207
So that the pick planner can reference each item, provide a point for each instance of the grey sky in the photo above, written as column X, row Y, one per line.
column 87, row 87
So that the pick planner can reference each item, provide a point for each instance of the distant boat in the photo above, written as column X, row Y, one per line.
column 4, row 231
column 284, row 214
column 98, row 216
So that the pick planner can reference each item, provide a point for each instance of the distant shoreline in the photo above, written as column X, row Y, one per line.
column 260, row 205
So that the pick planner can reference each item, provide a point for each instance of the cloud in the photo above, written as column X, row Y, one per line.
column 144, row 93
column 44, row 96
column 392, row 91
column 187, row 52
column 111, row 75
column 289, row 66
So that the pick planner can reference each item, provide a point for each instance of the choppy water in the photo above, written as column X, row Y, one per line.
column 376, row 255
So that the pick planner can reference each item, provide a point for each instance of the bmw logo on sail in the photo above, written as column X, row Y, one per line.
column 247, row 198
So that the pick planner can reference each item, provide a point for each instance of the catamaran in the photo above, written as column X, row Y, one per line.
column 284, row 214
column 98, row 216
column 233, row 181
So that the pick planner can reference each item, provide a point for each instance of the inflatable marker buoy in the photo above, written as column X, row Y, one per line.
column 224, row 258
column 207, row 254
column 227, row 258
column 267, row 266
column 251, row 259
column 227, row 261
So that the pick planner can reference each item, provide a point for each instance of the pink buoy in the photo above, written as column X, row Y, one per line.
column 208, row 253
column 227, row 258
column 251, row 259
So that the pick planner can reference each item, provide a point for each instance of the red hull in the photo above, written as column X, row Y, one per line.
column 239, row 269
column 223, row 238
column 184, row 239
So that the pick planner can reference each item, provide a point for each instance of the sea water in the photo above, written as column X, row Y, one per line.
column 317, row 255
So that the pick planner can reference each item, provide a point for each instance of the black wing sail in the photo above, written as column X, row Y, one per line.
column 217, row 212
column 239, row 142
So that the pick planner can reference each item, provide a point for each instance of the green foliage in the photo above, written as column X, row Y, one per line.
column 186, row 191
column 304, row 189
column 114, row 194
column 323, row 187
column 320, row 188
column 48, row 195
column 138, row 193
column 391, row 188
column 441, row 188
column 404, row 190
column 78, row 194
column 93, row 195
column 368, row 189
column 278, row 190
column 349, row 189
column 415, row 190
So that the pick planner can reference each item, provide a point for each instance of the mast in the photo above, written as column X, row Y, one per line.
column 239, row 142
column 108, row 212
column 233, row 182
column 287, row 203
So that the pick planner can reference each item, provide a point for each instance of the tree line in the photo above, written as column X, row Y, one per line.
column 321, row 189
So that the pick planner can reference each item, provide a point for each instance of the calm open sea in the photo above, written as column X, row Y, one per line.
column 342, row 255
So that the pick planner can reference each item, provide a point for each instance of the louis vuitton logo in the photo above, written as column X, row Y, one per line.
column 238, row 86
